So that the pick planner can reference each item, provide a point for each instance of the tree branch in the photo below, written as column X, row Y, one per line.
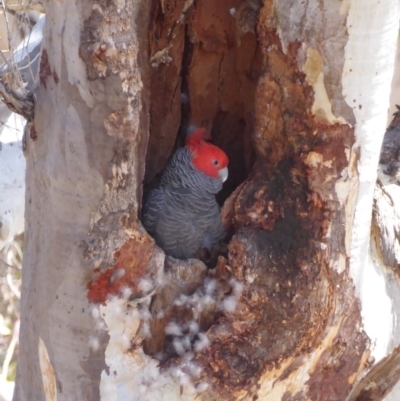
column 22, row 104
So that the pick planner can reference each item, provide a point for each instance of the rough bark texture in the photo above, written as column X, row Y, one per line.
column 278, row 317
column 84, row 171
column 288, row 254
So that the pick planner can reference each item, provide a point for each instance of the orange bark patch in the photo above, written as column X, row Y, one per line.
column 130, row 267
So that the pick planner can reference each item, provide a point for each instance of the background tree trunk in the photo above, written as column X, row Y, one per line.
column 84, row 169
column 297, row 95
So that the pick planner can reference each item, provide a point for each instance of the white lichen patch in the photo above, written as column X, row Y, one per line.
column 161, row 57
column 193, row 327
column 126, row 292
column 210, row 286
column 229, row 303
column 145, row 285
column 340, row 264
column 314, row 159
column 178, row 346
column 186, row 6
column 94, row 343
column 173, row 329
column 202, row 343
column 135, row 376
column 120, row 5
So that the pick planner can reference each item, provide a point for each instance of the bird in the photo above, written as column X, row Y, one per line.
column 181, row 213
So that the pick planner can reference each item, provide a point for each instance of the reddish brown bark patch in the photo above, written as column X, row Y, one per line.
column 45, row 70
column 132, row 263
column 339, row 362
column 33, row 132
column 55, row 76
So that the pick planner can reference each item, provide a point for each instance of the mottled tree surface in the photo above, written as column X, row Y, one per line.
column 277, row 316
column 280, row 252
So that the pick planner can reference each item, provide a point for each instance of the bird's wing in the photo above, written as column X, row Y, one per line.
column 152, row 210
column 182, row 220
column 178, row 231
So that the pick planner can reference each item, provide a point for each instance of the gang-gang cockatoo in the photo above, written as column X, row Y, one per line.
column 181, row 213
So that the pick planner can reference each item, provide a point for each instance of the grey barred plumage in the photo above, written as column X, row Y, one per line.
column 181, row 214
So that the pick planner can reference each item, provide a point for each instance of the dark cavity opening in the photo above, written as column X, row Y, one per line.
column 206, row 62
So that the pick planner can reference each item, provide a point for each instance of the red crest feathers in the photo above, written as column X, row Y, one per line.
column 200, row 134
column 207, row 157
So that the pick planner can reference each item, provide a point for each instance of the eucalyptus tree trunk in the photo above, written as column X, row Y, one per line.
column 298, row 307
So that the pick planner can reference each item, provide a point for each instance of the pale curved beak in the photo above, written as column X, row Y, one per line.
column 223, row 173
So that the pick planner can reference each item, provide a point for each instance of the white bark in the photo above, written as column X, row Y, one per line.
column 367, row 75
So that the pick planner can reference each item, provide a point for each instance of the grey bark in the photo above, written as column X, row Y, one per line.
column 71, row 170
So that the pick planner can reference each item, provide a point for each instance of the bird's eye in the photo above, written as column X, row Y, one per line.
column 216, row 162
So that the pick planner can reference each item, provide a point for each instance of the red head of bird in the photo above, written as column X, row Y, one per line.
column 207, row 158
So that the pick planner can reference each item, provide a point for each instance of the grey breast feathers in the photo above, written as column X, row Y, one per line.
column 182, row 220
